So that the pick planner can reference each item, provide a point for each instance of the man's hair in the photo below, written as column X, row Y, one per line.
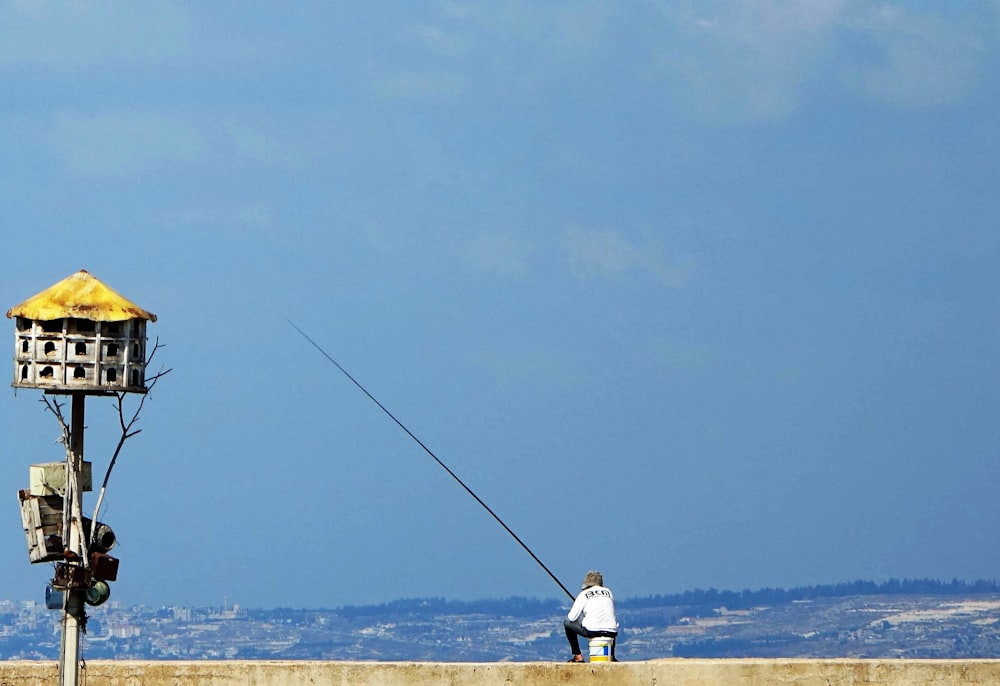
column 592, row 579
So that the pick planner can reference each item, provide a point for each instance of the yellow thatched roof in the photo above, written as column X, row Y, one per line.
column 79, row 296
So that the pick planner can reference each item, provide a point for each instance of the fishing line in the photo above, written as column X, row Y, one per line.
column 431, row 453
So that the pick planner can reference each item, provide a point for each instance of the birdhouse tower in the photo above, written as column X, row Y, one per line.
column 80, row 335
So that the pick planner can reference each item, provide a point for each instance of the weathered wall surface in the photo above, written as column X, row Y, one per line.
column 675, row 672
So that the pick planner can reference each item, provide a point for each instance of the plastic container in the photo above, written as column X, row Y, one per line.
column 600, row 648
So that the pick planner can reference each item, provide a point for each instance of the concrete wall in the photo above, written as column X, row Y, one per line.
column 675, row 672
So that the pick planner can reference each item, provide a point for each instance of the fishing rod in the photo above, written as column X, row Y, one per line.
column 431, row 453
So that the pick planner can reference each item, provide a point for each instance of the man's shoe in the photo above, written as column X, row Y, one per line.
column 576, row 658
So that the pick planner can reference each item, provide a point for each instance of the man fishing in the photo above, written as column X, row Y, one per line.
column 592, row 615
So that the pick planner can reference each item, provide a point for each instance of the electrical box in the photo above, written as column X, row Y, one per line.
column 49, row 478
column 104, row 567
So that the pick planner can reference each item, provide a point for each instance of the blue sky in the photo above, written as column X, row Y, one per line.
column 698, row 294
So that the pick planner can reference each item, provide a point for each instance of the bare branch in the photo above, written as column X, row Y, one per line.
column 55, row 407
column 128, row 430
column 126, row 424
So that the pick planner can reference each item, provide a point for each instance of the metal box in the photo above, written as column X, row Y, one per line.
column 49, row 478
column 104, row 567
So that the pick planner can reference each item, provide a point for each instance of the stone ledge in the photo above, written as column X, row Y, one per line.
column 676, row 672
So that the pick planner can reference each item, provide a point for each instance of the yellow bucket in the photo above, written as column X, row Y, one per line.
column 600, row 648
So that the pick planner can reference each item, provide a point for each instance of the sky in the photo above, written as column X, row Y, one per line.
column 697, row 294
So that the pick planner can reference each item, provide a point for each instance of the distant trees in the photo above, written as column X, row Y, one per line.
column 515, row 606
column 736, row 600
column 696, row 602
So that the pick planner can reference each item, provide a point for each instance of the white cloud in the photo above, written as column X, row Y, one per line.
column 136, row 142
column 754, row 61
column 74, row 35
column 124, row 142
column 582, row 27
column 572, row 26
column 417, row 83
column 675, row 354
column 252, row 143
column 242, row 221
column 501, row 253
column 746, row 60
column 608, row 254
column 255, row 216
column 442, row 41
column 511, row 44
column 914, row 59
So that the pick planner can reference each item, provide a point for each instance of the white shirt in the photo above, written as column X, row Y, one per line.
column 595, row 608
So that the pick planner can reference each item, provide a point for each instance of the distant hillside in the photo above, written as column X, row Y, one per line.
column 710, row 598
column 909, row 618
column 739, row 599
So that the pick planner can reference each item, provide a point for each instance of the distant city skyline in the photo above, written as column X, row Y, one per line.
column 698, row 295
column 860, row 620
